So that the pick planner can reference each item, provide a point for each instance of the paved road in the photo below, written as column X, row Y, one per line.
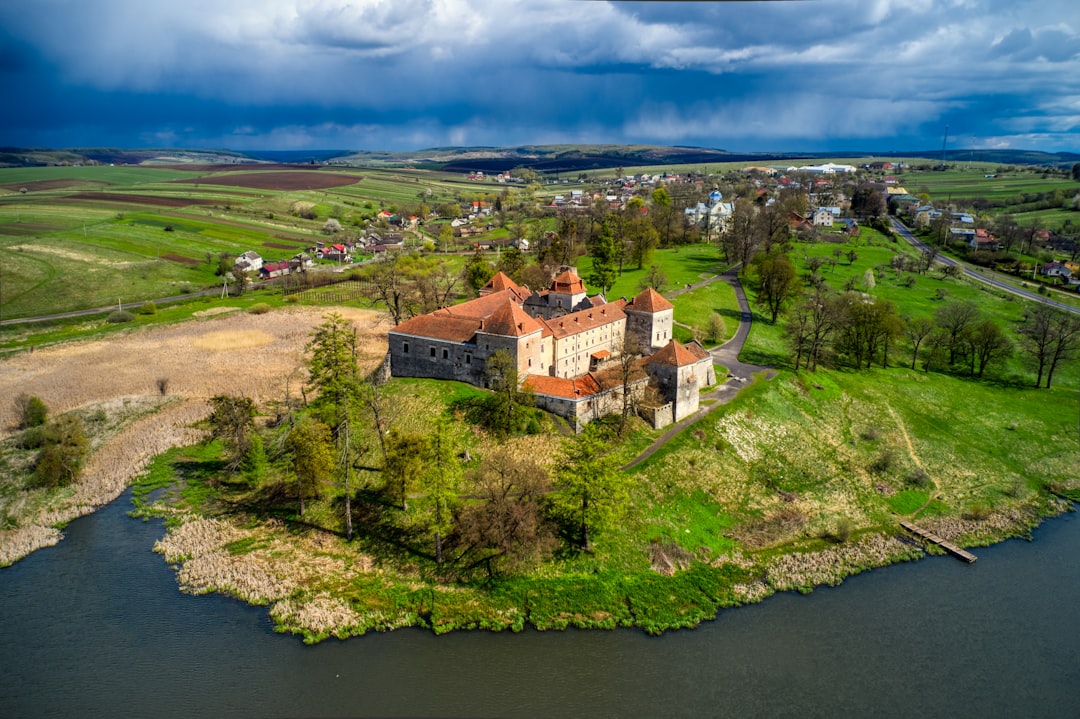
column 986, row 277
column 740, row 374
column 110, row 308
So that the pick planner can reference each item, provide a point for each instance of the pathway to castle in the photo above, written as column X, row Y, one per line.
column 740, row 374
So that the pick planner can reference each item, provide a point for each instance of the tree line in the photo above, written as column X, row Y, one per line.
column 854, row 328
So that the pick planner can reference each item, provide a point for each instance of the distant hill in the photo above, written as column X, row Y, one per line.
column 543, row 158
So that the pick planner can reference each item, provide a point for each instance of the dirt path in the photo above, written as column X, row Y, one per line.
column 914, row 458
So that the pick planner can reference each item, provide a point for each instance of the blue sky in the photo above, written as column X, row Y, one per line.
column 809, row 75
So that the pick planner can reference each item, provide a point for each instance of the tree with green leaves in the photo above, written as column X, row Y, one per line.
column 717, row 329
column 511, row 262
column 441, row 481
column 777, row 282
column 406, row 456
column 333, row 371
column 508, row 400
column 478, row 271
column 641, row 238
column 332, row 368
column 987, row 344
column 663, row 215
column 446, row 236
column 591, row 491
column 31, row 410
column 232, row 420
column 311, row 449
column 605, row 253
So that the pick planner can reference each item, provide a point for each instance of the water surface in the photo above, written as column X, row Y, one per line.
column 97, row 627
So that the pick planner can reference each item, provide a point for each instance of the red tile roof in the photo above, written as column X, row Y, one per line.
column 675, row 355
column 563, row 388
column 567, row 283
column 586, row 319
column 650, row 301
column 499, row 282
column 483, row 306
column 439, row 326
column 511, row 321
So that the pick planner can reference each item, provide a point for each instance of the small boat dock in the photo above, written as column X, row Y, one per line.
column 947, row 546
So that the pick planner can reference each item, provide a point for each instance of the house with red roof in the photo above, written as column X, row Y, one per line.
column 564, row 342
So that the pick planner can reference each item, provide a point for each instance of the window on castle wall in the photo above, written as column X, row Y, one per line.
column 445, row 354
column 468, row 359
column 405, row 348
column 432, row 351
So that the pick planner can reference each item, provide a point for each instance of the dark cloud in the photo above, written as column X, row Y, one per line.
column 413, row 73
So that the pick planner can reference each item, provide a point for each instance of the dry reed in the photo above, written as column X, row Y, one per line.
column 199, row 360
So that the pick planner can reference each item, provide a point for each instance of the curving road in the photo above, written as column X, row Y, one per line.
column 739, row 376
column 978, row 275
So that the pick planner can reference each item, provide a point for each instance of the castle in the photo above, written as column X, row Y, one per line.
column 566, row 346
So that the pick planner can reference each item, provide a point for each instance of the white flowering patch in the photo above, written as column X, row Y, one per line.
column 752, row 437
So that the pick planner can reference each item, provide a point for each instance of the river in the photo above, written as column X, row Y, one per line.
column 95, row 627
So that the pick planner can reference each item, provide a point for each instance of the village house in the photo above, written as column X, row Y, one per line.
column 250, row 261
column 565, row 346
column 822, row 217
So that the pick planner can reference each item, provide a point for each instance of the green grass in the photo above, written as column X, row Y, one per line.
column 694, row 308
column 119, row 176
column 682, row 266
column 907, row 501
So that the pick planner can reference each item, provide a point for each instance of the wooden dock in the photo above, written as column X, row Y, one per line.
column 947, row 546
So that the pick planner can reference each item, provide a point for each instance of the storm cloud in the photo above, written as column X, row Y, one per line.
column 408, row 74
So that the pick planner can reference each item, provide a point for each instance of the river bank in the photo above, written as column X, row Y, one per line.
column 317, row 585
column 936, row 637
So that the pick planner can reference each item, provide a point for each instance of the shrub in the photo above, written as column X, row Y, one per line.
column 30, row 438
column 63, row 448
column 162, row 385
column 31, row 410
column 884, row 462
column 978, row 512
column 259, row 308
column 871, row 434
column 148, row 308
column 120, row 316
column 918, row 478
column 843, row 529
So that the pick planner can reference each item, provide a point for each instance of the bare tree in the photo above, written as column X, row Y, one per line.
column 916, row 330
column 1050, row 336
